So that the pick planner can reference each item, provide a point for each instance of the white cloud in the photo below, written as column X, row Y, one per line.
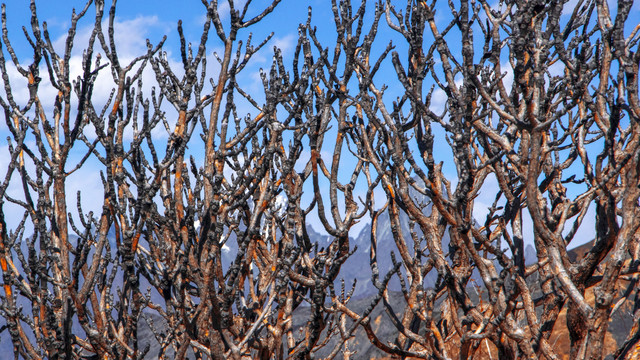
column 130, row 38
column 286, row 43
column 265, row 55
column 438, row 100
column 507, row 80
column 223, row 10
column 569, row 7
column 486, row 197
column 130, row 35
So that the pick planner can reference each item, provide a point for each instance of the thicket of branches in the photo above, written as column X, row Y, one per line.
column 561, row 137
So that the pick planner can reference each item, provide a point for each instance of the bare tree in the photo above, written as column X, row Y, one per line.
column 206, row 242
column 561, row 137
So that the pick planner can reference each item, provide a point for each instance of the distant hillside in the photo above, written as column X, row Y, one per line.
column 357, row 267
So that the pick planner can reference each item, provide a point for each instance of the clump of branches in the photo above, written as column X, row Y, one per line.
column 78, row 289
column 202, row 234
column 559, row 138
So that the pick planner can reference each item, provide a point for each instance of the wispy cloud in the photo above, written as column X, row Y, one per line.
column 286, row 43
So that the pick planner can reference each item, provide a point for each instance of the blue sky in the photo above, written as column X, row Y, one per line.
column 142, row 19
column 137, row 21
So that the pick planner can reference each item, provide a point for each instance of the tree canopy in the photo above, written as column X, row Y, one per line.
column 404, row 114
